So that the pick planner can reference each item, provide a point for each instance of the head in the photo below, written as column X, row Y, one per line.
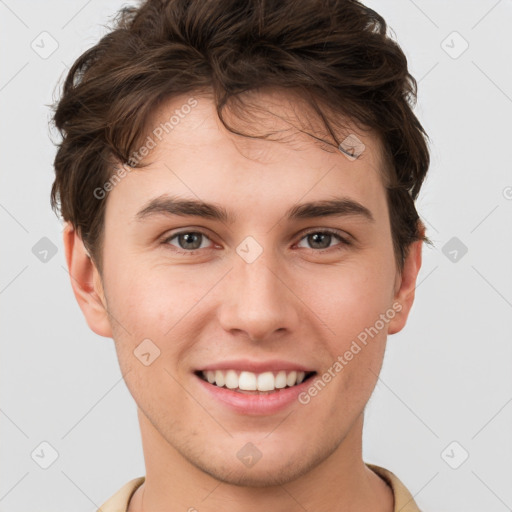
column 247, row 108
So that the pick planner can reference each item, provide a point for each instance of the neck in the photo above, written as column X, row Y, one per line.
column 339, row 482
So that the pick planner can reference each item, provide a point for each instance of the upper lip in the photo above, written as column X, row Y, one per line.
column 256, row 366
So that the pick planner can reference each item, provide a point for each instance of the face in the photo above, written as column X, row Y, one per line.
column 271, row 286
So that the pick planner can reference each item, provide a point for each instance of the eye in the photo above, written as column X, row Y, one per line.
column 321, row 239
column 188, row 241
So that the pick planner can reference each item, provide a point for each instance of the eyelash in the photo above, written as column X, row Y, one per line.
column 343, row 241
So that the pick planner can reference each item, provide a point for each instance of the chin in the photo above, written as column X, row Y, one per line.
column 252, row 477
column 274, row 469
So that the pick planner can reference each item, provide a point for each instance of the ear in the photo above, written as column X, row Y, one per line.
column 86, row 283
column 405, row 284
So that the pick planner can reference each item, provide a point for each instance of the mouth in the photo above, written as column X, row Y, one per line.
column 250, row 383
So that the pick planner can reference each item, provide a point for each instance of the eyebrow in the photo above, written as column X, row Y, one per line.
column 170, row 205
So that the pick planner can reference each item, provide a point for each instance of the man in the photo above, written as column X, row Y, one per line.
column 238, row 180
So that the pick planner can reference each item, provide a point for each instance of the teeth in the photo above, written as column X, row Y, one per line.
column 231, row 380
column 291, row 378
column 249, row 381
column 266, row 381
column 219, row 378
column 280, row 380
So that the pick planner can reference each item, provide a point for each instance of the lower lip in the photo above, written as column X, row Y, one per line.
column 255, row 404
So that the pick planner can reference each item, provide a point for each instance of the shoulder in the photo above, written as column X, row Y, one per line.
column 404, row 502
column 119, row 501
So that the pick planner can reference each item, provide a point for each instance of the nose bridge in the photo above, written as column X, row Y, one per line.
column 256, row 301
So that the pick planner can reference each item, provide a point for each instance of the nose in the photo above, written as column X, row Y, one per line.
column 257, row 301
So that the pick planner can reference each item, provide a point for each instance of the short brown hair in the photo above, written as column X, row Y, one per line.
column 335, row 53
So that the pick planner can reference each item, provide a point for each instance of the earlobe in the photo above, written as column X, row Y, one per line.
column 86, row 283
column 406, row 287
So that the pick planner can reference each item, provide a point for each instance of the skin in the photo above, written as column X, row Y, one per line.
column 296, row 301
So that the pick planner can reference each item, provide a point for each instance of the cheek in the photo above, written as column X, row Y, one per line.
column 355, row 303
column 159, row 305
column 150, row 301
column 149, row 319
column 350, row 298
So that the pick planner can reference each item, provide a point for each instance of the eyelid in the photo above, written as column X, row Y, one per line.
column 167, row 237
column 332, row 231
column 343, row 237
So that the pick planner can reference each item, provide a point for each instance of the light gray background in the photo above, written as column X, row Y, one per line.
column 446, row 377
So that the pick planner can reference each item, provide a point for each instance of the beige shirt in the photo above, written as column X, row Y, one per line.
column 404, row 502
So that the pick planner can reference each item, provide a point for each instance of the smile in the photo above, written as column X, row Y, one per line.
column 254, row 383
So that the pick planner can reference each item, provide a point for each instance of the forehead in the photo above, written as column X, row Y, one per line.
column 273, row 114
column 193, row 155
